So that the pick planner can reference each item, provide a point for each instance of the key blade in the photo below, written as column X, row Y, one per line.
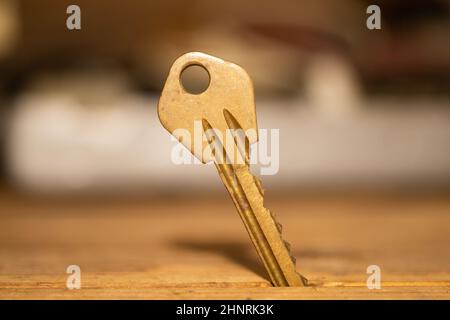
column 230, row 88
column 265, row 232
column 263, row 229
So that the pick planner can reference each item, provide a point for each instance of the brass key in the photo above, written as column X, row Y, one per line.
column 228, row 103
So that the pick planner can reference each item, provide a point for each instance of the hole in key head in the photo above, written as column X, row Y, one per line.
column 195, row 79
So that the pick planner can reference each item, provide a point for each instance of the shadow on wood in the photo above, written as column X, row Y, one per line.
column 237, row 252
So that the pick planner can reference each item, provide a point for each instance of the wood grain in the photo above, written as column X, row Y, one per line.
column 173, row 248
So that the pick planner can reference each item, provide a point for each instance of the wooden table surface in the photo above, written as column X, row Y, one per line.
column 180, row 248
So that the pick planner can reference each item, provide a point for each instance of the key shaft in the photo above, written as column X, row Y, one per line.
column 248, row 197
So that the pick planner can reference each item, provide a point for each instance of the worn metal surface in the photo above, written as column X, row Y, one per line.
column 228, row 103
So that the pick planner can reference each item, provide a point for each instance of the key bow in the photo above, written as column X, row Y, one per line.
column 230, row 86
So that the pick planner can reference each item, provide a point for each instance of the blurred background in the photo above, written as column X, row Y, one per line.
column 358, row 109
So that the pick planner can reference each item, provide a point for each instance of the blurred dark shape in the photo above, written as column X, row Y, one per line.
column 303, row 38
column 411, row 51
column 402, row 15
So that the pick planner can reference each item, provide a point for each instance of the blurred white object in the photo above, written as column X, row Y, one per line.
column 88, row 132
column 331, row 86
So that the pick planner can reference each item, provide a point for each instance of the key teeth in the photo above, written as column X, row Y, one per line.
column 294, row 260
column 303, row 279
column 258, row 183
column 277, row 224
column 287, row 245
column 279, row 227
